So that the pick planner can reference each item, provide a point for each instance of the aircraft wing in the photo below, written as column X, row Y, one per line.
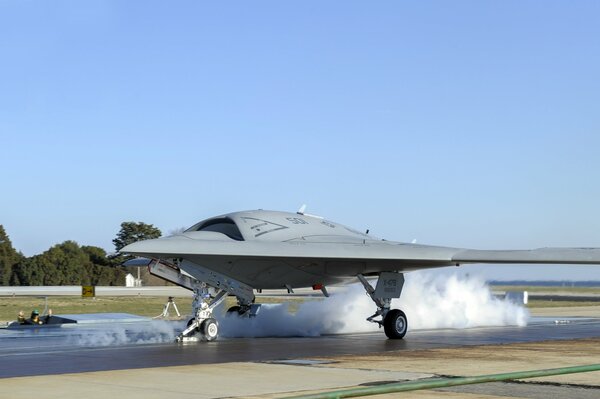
column 542, row 255
column 380, row 252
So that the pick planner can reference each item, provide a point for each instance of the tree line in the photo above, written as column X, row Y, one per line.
column 69, row 263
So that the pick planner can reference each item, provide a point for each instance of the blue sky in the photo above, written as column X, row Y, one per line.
column 472, row 124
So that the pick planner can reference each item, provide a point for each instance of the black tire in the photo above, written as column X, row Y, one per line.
column 395, row 324
column 210, row 329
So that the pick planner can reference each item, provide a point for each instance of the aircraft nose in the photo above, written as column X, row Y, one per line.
column 157, row 247
column 140, row 247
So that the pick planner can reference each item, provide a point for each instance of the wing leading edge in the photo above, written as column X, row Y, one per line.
column 573, row 256
column 388, row 251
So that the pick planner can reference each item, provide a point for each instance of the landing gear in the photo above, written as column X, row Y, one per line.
column 209, row 329
column 389, row 286
column 395, row 324
column 210, row 289
column 247, row 310
column 203, row 327
column 234, row 310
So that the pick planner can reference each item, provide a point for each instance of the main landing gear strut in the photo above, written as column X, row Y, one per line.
column 389, row 286
column 210, row 289
column 203, row 326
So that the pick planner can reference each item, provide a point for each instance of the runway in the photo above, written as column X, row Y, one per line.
column 75, row 350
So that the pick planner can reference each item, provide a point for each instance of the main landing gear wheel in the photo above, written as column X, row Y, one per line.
column 389, row 286
column 395, row 324
column 209, row 329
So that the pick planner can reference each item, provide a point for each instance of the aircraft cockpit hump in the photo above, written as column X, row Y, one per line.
column 285, row 226
column 262, row 225
column 223, row 225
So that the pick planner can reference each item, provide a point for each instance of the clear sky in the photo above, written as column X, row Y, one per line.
column 472, row 124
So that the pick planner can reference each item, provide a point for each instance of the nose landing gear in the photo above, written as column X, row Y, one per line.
column 389, row 285
column 203, row 327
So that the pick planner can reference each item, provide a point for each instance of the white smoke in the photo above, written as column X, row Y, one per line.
column 429, row 300
column 156, row 331
column 433, row 301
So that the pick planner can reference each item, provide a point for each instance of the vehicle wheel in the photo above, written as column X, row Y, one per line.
column 210, row 329
column 395, row 324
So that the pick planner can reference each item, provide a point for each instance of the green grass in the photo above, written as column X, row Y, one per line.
column 551, row 290
column 141, row 305
column 559, row 304
column 567, row 289
column 153, row 306
column 144, row 306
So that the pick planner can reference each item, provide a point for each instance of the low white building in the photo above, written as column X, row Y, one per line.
column 131, row 281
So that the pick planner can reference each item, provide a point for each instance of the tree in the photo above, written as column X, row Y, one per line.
column 68, row 264
column 101, row 270
column 9, row 257
column 177, row 231
column 27, row 272
column 132, row 232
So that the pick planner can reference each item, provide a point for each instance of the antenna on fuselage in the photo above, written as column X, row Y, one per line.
column 302, row 212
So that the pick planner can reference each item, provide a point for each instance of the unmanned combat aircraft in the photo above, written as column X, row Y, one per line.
column 238, row 253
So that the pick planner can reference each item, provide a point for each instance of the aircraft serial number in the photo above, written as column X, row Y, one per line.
column 297, row 220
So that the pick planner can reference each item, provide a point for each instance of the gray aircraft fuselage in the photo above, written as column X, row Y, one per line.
column 270, row 250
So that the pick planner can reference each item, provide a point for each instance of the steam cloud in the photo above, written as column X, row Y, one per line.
column 430, row 301
column 156, row 331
